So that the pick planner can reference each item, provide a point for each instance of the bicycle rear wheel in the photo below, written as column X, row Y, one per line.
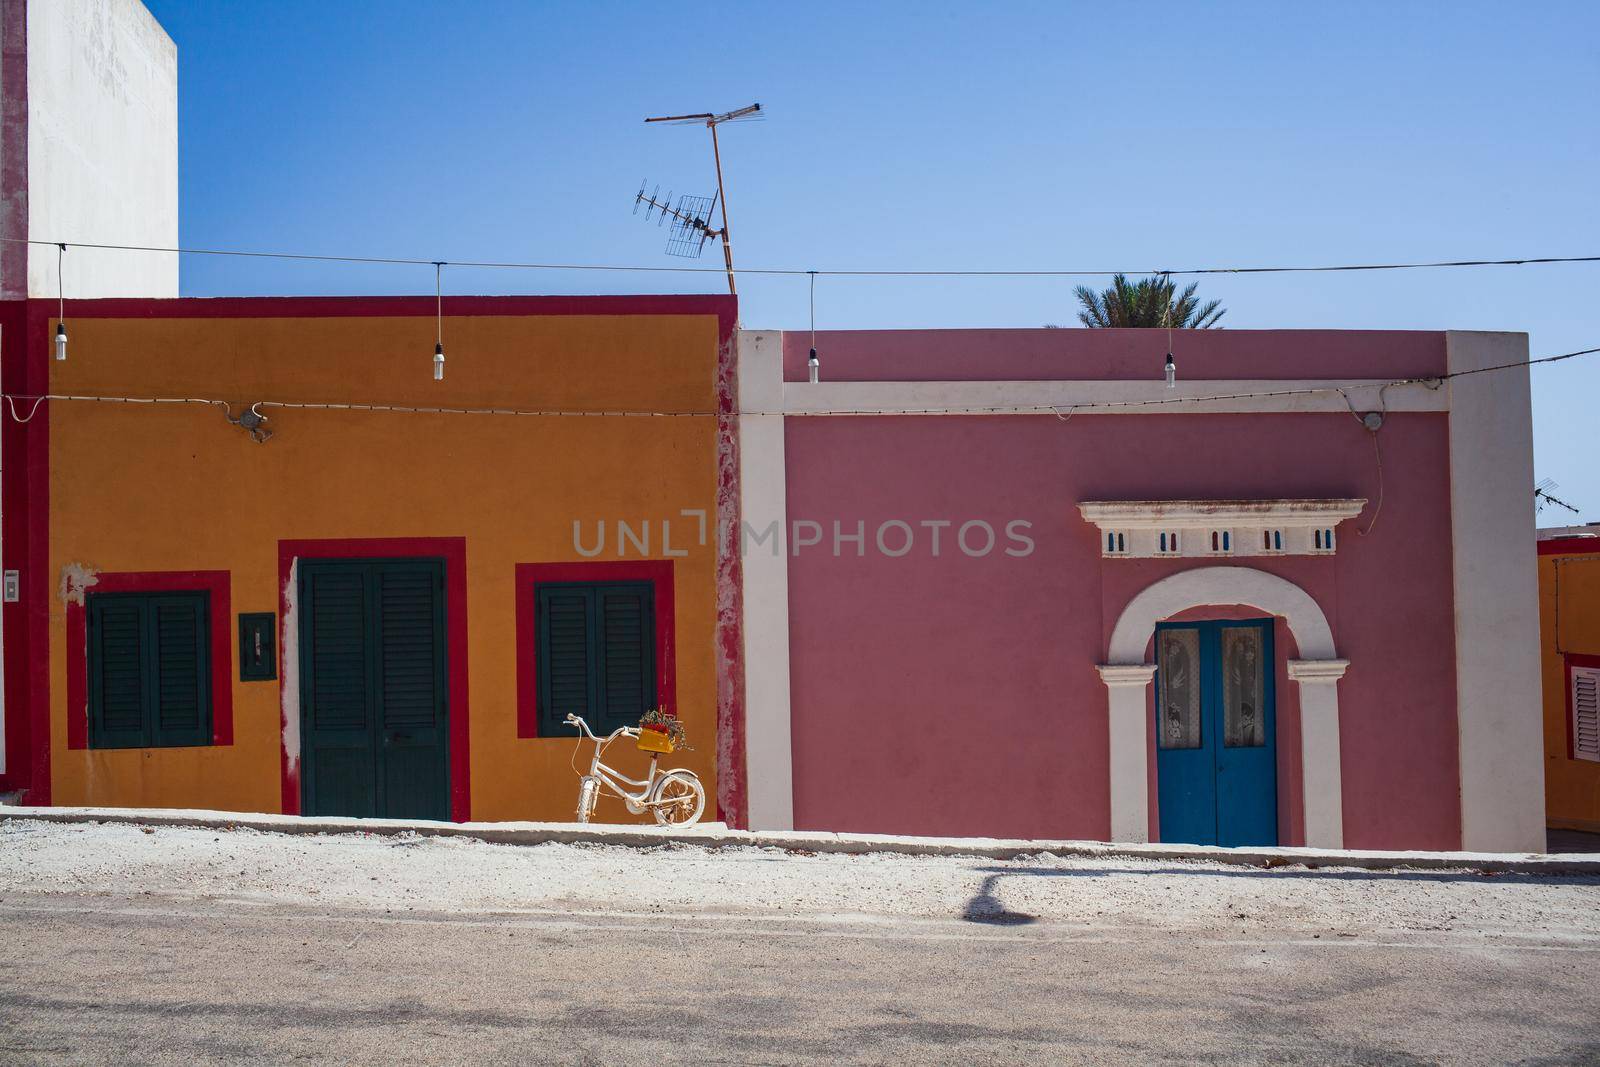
column 678, row 799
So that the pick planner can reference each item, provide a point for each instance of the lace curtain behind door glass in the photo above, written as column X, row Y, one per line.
column 1243, row 688
column 1178, row 664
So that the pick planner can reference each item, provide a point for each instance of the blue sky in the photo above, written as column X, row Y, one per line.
column 926, row 135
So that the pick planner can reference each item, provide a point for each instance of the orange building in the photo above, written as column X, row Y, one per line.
column 1569, row 620
column 381, row 599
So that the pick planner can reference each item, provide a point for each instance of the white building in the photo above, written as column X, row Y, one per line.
column 89, row 150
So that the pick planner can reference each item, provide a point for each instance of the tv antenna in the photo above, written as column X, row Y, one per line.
column 692, row 215
column 1541, row 496
column 691, row 225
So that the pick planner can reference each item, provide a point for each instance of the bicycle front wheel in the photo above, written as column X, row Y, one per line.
column 678, row 799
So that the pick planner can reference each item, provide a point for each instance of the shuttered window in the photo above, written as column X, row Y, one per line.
column 596, row 653
column 1585, row 712
column 149, row 670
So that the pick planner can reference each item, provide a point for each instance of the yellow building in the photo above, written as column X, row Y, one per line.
column 383, row 598
column 1569, row 619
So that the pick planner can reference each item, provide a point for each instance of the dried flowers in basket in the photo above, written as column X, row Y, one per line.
column 660, row 731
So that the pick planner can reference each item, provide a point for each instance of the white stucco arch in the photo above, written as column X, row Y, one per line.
column 1317, row 673
column 1220, row 585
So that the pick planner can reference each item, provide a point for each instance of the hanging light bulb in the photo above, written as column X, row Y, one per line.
column 438, row 321
column 1166, row 296
column 61, row 308
column 813, row 365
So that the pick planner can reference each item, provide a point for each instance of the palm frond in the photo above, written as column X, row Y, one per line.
column 1148, row 303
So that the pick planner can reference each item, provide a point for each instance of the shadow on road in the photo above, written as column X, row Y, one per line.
column 987, row 907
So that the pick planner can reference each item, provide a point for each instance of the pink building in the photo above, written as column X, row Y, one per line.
column 1007, row 583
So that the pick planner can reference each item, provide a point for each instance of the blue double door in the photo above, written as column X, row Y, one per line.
column 1216, row 733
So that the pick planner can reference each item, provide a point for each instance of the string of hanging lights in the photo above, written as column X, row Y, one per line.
column 35, row 400
column 813, row 364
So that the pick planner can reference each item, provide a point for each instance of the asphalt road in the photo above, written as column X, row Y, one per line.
column 92, row 977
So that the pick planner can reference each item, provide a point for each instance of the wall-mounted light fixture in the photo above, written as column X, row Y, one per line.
column 252, row 421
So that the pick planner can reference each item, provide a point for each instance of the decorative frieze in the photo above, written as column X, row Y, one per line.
column 1146, row 529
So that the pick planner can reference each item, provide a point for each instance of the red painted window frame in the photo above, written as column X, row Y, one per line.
column 657, row 572
column 220, row 609
column 1570, row 660
column 454, row 552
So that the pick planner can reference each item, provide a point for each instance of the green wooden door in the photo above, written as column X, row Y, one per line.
column 373, row 696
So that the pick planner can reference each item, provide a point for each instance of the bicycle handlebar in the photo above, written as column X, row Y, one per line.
column 621, row 731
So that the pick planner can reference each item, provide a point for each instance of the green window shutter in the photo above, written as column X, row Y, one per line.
column 336, row 650
column 566, row 678
column 117, row 714
column 626, row 652
column 149, row 670
column 409, row 657
column 596, row 653
column 408, row 667
column 181, row 682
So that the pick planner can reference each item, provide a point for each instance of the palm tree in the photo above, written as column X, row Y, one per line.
column 1148, row 303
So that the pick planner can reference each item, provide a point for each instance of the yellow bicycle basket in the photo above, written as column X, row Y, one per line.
column 654, row 741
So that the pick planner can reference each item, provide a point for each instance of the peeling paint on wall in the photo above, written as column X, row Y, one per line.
column 730, row 599
column 289, row 675
column 76, row 580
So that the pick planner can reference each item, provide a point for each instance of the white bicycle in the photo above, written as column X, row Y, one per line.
column 675, row 797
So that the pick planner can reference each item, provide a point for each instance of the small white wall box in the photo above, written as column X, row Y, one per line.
column 13, row 587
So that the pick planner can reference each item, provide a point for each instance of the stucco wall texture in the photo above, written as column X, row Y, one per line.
column 958, row 695
column 177, row 488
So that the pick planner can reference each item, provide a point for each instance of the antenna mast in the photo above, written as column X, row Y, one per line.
column 695, row 223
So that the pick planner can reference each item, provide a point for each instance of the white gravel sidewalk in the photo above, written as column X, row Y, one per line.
column 408, row 872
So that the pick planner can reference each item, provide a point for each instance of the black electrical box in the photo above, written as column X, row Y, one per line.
column 258, row 650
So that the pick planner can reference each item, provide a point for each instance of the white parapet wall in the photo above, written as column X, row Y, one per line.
column 769, row 763
column 102, row 143
column 1495, row 550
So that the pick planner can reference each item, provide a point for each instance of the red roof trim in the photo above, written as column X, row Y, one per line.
column 221, row 307
column 1557, row 546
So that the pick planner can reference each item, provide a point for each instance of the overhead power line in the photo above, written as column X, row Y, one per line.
column 788, row 271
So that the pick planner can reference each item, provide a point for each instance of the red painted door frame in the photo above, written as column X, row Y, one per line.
column 454, row 552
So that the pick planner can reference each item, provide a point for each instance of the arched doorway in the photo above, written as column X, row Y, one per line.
column 1127, row 676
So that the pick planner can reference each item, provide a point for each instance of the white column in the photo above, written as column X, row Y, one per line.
column 1130, row 753
column 763, row 504
column 1319, row 749
column 1494, row 554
